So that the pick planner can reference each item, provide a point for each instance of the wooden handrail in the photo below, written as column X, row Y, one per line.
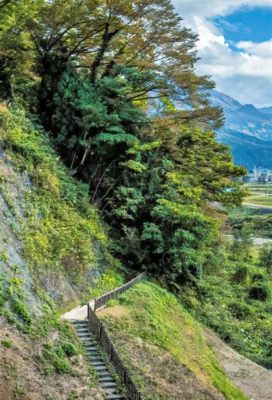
column 98, row 329
column 101, row 301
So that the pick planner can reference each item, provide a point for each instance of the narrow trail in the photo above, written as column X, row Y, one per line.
column 97, row 360
column 103, row 356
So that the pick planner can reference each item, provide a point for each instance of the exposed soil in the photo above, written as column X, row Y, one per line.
column 254, row 380
column 22, row 376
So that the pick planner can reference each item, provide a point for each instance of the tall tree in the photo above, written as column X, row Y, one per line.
column 16, row 56
column 101, row 35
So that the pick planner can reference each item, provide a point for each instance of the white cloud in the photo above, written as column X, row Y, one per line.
column 263, row 49
column 242, row 70
column 212, row 8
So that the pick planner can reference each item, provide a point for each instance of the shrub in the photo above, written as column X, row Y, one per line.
column 258, row 277
column 241, row 274
column 266, row 258
column 20, row 309
column 61, row 365
column 239, row 310
column 69, row 349
column 259, row 291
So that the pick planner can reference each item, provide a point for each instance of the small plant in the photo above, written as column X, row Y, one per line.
column 69, row 349
column 19, row 392
column 7, row 343
column 73, row 395
column 4, row 257
column 61, row 366
column 20, row 309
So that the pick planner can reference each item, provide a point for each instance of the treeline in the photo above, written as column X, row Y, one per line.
column 113, row 83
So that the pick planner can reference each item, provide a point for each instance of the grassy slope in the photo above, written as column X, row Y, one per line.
column 148, row 321
column 63, row 242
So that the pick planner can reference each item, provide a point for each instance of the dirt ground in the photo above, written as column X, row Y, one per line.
column 254, row 380
column 22, row 376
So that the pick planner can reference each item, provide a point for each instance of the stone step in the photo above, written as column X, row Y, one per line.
column 97, row 363
column 104, row 374
column 81, row 323
column 84, row 335
column 106, row 379
column 88, row 343
column 94, row 353
column 110, row 391
column 82, row 329
column 91, row 349
column 92, row 346
column 100, row 368
column 115, row 397
column 109, row 385
column 97, row 360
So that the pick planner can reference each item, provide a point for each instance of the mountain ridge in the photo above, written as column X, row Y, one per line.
column 247, row 130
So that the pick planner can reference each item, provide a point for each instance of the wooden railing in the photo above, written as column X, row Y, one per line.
column 98, row 329
column 113, row 294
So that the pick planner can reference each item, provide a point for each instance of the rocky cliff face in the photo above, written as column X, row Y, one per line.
column 45, row 237
column 52, row 244
column 13, row 267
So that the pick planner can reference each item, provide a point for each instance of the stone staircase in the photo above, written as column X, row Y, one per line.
column 97, row 360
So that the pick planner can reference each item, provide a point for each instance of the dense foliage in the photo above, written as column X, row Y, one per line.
column 235, row 300
column 114, row 85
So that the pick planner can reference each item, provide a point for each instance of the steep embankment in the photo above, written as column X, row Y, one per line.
column 51, row 247
column 165, row 348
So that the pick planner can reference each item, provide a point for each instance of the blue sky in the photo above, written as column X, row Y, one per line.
column 246, row 24
column 235, row 45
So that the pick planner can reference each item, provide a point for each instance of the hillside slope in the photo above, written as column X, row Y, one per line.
column 53, row 249
column 165, row 348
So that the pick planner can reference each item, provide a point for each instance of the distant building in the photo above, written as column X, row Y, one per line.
column 263, row 178
column 258, row 175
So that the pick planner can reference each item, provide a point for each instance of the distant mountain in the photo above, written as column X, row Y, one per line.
column 267, row 110
column 247, row 130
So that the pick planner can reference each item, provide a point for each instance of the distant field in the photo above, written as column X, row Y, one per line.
column 260, row 194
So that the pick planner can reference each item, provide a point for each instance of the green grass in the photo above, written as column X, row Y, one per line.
column 263, row 200
column 156, row 317
column 260, row 194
